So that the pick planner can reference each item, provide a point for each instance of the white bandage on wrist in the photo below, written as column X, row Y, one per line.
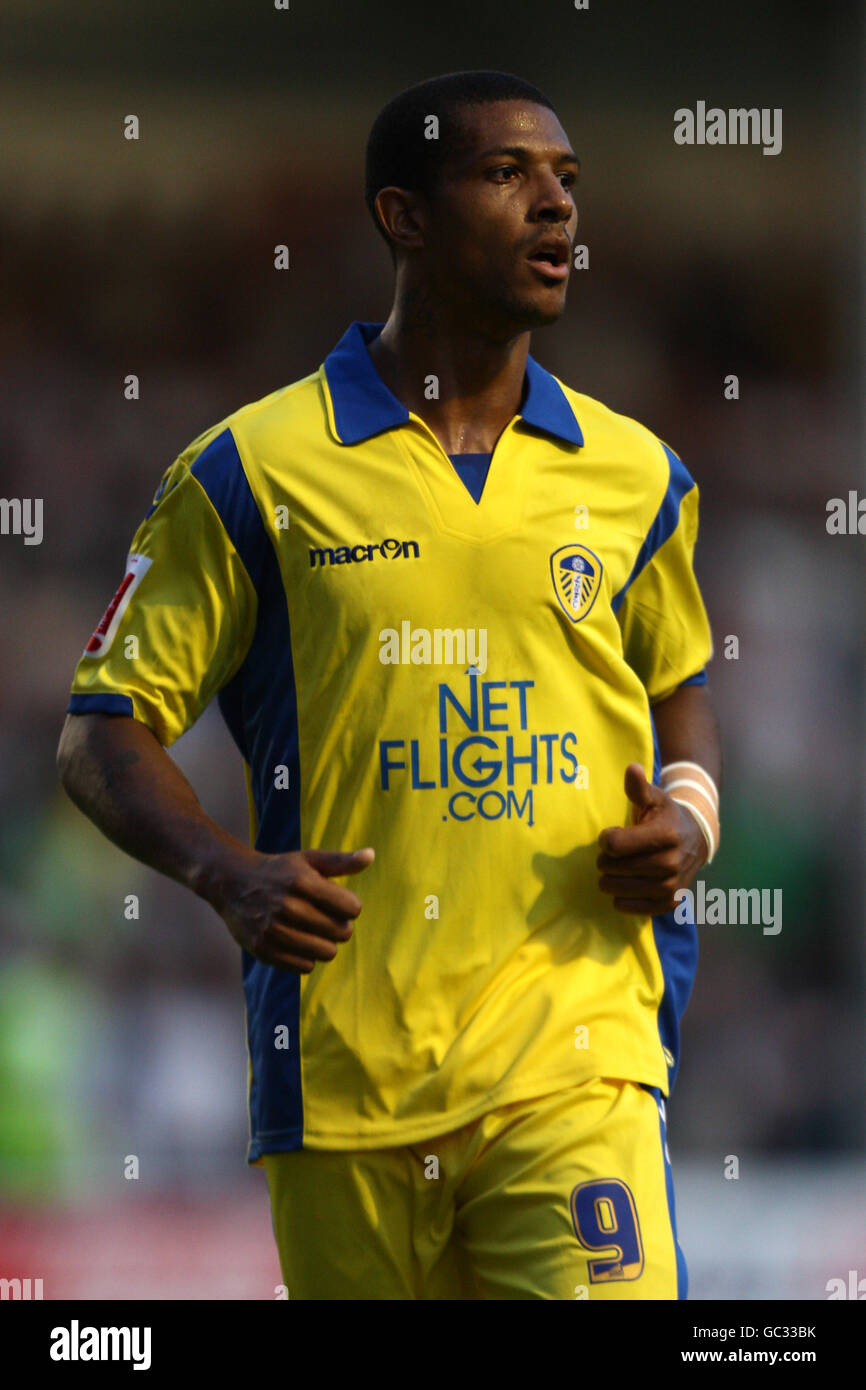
column 692, row 787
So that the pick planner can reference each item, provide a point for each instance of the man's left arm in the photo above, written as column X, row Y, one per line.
column 644, row 864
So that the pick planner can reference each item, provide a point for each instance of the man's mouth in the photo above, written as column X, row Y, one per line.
column 550, row 258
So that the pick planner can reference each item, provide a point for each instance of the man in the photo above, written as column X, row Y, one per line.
column 436, row 593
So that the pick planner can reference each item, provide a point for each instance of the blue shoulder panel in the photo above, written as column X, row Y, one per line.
column 666, row 520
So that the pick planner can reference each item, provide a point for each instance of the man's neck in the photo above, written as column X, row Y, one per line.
column 463, row 384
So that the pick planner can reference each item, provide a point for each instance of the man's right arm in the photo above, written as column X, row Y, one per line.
column 282, row 908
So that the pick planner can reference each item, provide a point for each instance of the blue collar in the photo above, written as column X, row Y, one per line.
column 363, row 405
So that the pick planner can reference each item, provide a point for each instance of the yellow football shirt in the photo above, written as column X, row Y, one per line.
column 460, row 684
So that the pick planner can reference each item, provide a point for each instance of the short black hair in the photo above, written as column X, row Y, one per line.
column 399, row 154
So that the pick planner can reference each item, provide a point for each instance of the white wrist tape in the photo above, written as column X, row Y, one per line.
column 691, row 786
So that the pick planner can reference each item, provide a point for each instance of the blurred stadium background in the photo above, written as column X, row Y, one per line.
column 155, row 257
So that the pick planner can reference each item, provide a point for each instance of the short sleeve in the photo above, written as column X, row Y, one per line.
column 181, row 621
column 665, row 629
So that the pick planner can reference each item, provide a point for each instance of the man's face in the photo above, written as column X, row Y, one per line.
column 502, row 219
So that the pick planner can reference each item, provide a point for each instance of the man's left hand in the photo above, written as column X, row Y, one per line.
column 644, row 864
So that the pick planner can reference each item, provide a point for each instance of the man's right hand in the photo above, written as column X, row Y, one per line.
column 283, row 908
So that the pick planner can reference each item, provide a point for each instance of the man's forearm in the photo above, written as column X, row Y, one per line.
column 691, row 759
column 688, row 730
column 117, row 772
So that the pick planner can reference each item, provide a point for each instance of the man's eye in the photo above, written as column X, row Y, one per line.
column 568, row 180
column 504, row 169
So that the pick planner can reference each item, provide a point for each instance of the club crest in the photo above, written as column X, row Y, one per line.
column 576, row 575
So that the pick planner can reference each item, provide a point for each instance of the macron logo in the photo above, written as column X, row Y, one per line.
column 76, row 1343
column 389, row 549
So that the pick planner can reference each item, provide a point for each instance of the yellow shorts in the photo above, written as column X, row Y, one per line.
column 565, row 1196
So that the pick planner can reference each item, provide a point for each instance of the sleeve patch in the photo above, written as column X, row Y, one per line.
column 103, row 636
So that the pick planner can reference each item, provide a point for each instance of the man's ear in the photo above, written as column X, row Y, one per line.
column 401, row 214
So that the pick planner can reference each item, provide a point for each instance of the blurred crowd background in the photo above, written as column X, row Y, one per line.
column 155, row 257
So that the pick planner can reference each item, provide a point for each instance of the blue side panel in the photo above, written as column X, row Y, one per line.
column 259, row 706
column 682, row 1269
column 100, row 704
column 677, row 946
column 665, row 523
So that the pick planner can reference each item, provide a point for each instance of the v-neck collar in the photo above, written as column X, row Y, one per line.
column 363, row 406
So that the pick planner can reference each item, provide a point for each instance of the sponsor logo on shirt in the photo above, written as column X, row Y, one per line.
column 389, row 549
column 136, row 568
column 488, row 759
